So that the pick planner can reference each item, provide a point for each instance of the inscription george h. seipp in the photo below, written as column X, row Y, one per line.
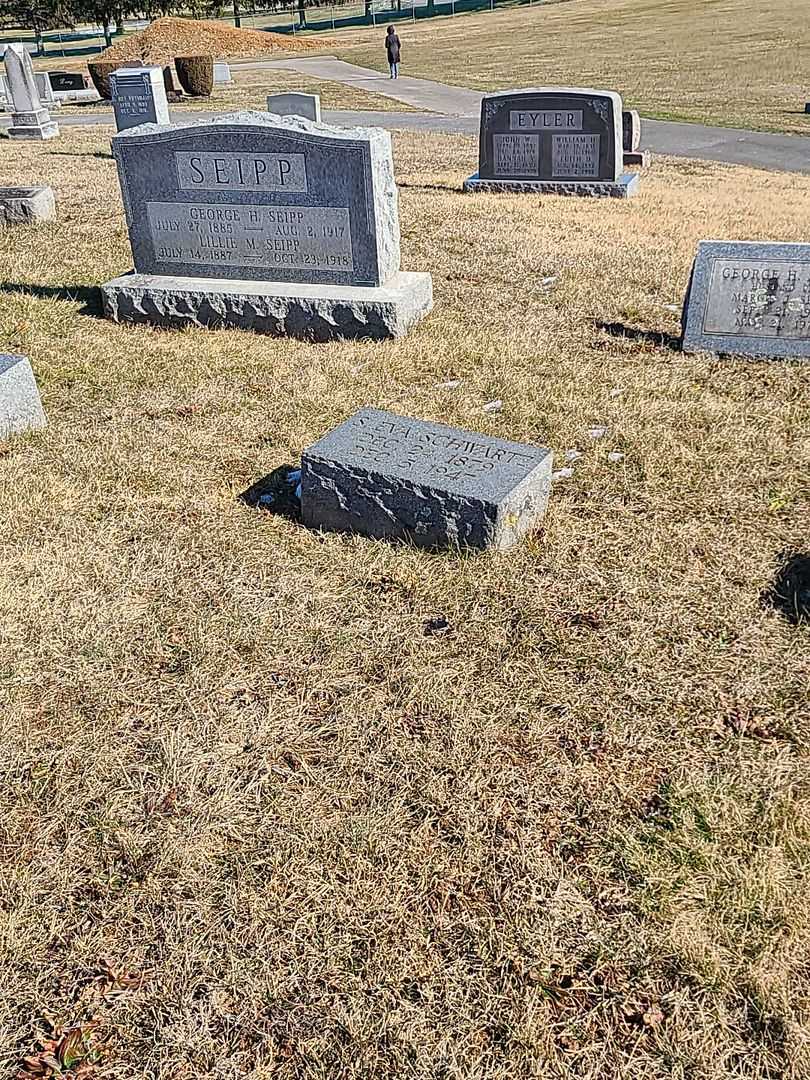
column 303, row 237
column 758, row 300
column 433, row 454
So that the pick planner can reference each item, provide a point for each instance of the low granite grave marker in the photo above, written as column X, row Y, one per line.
column 66, row 80
column 20, row 404
column 555, row 140
column 29, row 120
column 748, row 298
column 266, row 223
column 295, row 104
column 393, row 477
column 139, row 97
column 222, row 74
column 26, row 206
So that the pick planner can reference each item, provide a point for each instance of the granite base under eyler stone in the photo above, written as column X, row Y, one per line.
column 289, row 309
column 397, row 478
column 26, row 206
column 20, row 406
column 623, row 188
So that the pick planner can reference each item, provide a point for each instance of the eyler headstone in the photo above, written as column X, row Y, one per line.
column 393, row 477
column 747, row 298
column 633, row 155
column 20, row 405
column 552, row 140
column 295, row 104
column 139, row 97
column 29, row 120
column 267, row 223
column 26, row 206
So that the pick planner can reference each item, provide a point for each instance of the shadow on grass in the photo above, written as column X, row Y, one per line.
column 651, row 337
column 428, row 187
column 790, row 592
column 73, row 153
column 276, row 493
column 88, row 295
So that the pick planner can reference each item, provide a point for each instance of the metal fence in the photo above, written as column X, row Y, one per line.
column 90, row 39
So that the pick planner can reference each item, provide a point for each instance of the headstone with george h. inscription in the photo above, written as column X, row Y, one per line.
column 634, row 156
column 747, row 298
column 29, row 120
column 557, row 140
column 295, row 104
column 139, row 97
column 393, row 477
column 20, row 404
column 26, row 206
column 266, row 223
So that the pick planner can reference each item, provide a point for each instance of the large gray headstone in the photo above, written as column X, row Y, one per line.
column 255, row 197
column 20, row 405
column 393, row 477
column 139, row 97
column 553, row 139
column 29, row 120
column 295, row 104
column 749, row 299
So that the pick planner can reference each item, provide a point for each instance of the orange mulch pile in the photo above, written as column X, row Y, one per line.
column 166, row 38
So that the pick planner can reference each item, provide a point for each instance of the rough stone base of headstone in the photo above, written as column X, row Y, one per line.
column 76, row 97
column 284, row 309
column 20, row 406
column 25, row 206
column 636, row 159
column 33, row 125
column 626, row 185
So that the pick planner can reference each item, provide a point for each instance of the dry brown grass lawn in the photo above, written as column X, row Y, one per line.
column 567, row 838
column 729, row 62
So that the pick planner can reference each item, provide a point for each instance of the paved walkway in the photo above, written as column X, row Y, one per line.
column 455, row 109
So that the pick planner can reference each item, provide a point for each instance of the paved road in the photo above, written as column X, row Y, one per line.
column 455, row 109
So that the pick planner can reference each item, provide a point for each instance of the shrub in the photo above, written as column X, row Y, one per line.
column 100, row 71
column 196, row 74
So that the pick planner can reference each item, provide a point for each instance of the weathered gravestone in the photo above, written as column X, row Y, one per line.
column 749, row 299
column 20, row 405
column 295, row 104
column 66, row 80
column 633, row 155
column 26, row 206
column 139, row 97
column 28, row 118
column 222, row 74
column 552, row 140
column 45, row 90
column 394, row 477
column 266, row 223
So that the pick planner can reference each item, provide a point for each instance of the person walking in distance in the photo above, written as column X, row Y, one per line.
column 392, row 47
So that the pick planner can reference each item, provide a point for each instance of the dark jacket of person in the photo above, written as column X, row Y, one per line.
column 392, row 45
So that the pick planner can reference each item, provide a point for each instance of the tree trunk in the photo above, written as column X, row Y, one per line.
column 237, row 13
column 107, row 33
column 302, row 14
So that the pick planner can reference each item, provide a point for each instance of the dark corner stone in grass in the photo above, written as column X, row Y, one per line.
column 279, row 492
column 790, row 592
column 650, row 337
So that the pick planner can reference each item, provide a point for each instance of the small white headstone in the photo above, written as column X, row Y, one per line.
column 222, row 74
column 20, row 406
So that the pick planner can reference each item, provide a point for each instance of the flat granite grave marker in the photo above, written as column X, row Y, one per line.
column 295, row 104
column 393, row 477
column 26, row 206
column 139, row 97
column 20, row 405
column 747, row 298
column 552, row 140
column 28, row 118
column 266, row 223
column 66, row 80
